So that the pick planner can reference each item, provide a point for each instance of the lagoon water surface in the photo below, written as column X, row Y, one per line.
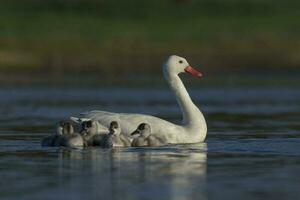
column 252, row 150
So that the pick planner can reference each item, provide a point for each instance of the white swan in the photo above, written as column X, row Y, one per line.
column 193, row 128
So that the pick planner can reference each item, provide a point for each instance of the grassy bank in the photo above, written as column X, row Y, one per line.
column 113, row 37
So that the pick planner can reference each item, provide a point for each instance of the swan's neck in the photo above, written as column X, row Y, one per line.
column 191, row 114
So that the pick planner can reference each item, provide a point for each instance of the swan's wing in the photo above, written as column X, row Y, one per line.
column 101, row 128
column 103, row 117
column 129, row 122
column 96, row 113
column 79, row 120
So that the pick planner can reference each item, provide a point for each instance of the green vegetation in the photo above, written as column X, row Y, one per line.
column 113, row 36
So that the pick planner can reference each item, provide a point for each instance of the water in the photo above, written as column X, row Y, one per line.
column 252, row 150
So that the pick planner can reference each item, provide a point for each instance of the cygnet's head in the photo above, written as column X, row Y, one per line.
column 175, row 65
column 64, row 128
column 114, row 128
column 143, row 129
column 89, row 127
column 60, row 127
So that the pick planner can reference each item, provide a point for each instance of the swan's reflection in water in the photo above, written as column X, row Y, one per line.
column 177, row 172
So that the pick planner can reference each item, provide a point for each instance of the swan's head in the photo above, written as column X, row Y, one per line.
column 143, row 129
column 64, row 127
column 89, row 127
column 114, row 128
column 176, row 65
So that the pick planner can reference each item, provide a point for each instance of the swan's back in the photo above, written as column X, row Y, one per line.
column 129, row 122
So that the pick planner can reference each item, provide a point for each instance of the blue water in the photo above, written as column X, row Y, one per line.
column 252, row 149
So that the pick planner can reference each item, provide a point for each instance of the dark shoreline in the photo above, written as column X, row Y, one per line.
column 280, row 79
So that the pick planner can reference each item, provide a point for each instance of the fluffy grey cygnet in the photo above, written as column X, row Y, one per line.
column 64, row 136
column 50, row 141
column 115, row 138
column 145, row 138
column 91, row 134
column 70, row 138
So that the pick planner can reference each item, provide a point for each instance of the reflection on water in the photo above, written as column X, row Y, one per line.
column 251, row 152
column 134, row 173
column 167, row 173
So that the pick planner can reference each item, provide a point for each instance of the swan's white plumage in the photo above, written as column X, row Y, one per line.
column 193, row 128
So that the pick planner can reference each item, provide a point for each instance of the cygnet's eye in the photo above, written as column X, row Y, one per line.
column 88, row 124
column 114, row 125
column 143, row 127
column 180, row 61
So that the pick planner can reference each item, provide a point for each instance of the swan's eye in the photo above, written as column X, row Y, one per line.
column 180, row 61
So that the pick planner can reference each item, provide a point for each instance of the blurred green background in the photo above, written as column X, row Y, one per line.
column 107, row 39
